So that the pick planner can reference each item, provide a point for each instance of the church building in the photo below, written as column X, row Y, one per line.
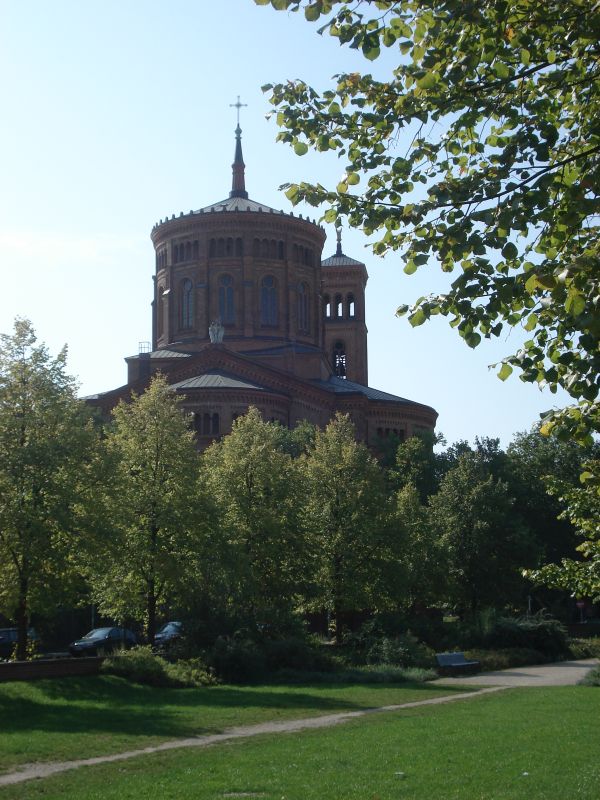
column 247, row 313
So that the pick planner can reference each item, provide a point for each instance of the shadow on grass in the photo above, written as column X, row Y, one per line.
column 108, row 704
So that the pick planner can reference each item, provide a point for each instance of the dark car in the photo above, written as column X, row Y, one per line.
column 8, row 640
column 101, row 641
column 168, row 634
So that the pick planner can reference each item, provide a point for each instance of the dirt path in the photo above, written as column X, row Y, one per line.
column 30, row 771
column 559, row 673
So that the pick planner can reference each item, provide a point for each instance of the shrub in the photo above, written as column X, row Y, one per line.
column 296, row 653
column 383, row 673
column 547, row 635
column 585, row 648
column 237, row 660
column 141, row 665
column 492, row 660
column 402, row 651
column 592, row 678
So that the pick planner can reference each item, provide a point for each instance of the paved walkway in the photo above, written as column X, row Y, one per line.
column 565, row 673
column 560, row 673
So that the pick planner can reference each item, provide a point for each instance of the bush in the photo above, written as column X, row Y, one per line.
column 549, row 636
column 296, row 653
column 384, row 673
column 237, row 660
column 585, row 648
column 402, row 651
column 492, row 660
column 141, row 665
column 592, row 678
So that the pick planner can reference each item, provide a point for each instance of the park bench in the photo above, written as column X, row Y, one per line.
column 455, row 664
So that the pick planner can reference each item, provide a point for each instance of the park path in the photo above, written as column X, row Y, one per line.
column 565, row 673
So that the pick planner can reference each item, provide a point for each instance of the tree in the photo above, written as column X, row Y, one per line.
column 582, row 509
column 356, row 548
column 46, row 440
column 256, row 489
column 480, row 151
column 486, row 543
column 152, row 534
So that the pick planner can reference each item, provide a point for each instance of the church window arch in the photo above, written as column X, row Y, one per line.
column 273, row 249
column 268, row 301
column 339, row 359
column 239, row 246
column 226, row 300
column 327, row 306
column 214, row 426
column 281, row 250
column 256, row 248
column 264, row 248
column 187, row 303
column 212, row 248
column 303, row 307
column 188, row 251
column 160, row 311
column 351, row 305
column 220, row 247
column 195, row 248
column 339, row 312
column 229, row 247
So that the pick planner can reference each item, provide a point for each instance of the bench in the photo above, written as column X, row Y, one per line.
column 455, row 664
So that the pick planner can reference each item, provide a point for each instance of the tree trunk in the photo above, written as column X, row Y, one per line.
column 151, row 613
column 21, row 617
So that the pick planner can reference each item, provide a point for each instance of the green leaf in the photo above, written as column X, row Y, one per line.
column 352, row 178
column 418, row 318
column 428, row 81
column 575, row 303
column 313, row 12
column 532, row 321
column 501, row 70
column 505, row 372
column 509, row 251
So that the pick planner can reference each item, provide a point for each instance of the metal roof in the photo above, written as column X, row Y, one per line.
column 238, row 204
column 164, row 354
column 341, row 261
column 283, row 348
column 343, row 386
column 215, row 379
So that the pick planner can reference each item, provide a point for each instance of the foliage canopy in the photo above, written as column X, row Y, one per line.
column 480, row 151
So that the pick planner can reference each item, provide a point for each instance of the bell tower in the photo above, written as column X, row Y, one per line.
column 343, row 302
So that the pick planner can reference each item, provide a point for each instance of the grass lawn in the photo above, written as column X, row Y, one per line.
column 534, row 744
column 58, row 720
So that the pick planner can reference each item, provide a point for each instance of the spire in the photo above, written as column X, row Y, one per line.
column 238, row 181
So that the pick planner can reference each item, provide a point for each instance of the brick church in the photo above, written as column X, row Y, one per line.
column 247, row 313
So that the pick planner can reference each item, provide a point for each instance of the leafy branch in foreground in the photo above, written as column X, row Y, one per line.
column 480, row 152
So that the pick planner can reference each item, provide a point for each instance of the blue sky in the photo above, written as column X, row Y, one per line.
column 117, row 114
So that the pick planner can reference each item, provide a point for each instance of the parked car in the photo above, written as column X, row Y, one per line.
column 168, row 634
column 8, row 640
column 101, row 641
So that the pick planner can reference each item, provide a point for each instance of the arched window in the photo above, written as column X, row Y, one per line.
column 220, row 247
column 195, row 248
column 239, row 247
column 160, row 310
column 339, row 360
column 273, row 249
column 256, row 248
column 188, row 251
column 351, row 305
column 187, row 304
column 226, row 302
column 327, row 306
column 268, row 301
column 175, row 253
column 212, row 248
column 339, row 310
column 303, row 299
column 264, row 248
column 229, row 247
column 215, row 424
column 280, row 250
column 295, row 252
column 206, row 424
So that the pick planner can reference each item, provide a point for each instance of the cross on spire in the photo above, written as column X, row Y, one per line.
column 238, row 105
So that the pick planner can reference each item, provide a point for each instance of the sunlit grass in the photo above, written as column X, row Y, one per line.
column 521, row 744
column 57, row 720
